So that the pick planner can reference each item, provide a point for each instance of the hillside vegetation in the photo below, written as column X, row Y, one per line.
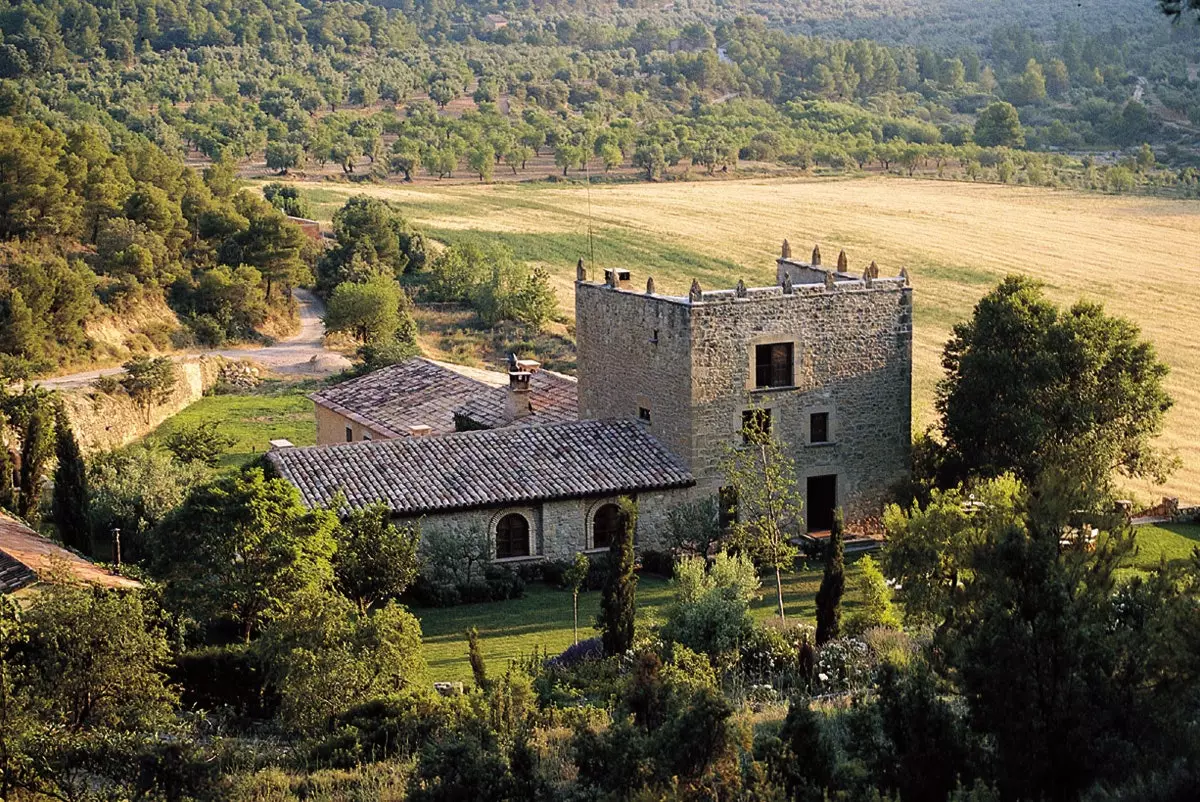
column 956, row 240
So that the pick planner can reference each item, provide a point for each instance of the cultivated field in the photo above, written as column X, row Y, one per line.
column 1139, row 256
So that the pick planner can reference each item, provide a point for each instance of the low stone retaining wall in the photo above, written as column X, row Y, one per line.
column 102, row 421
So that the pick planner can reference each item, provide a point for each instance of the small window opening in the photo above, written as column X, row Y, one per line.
column 366, row 436
column 818, row 427
column 643, row 414
column 727, row 514
column 349, row 435
column 606, row 526
column 773, row 365
column 512, row 536
column 756, row 424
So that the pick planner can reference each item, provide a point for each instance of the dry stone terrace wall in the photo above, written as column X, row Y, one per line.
column 690, row 362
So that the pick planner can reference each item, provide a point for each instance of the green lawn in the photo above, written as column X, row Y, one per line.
column 542, row 619
column 271, row 411
column 1172, row 541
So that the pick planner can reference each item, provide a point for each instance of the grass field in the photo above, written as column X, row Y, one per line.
column 542, row 620
column 273, row 410
column 1137, row 255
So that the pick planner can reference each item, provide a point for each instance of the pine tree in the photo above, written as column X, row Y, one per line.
column 617, row 605
column 70, row 487
column 833, row 584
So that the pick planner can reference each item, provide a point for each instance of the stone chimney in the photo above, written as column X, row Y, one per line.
column 816, row 257
column 617, row 278
column 787, row 250
column 843, row 263
column 580, row 271
column 517, row 403
column 420, row 430
column 695, row 293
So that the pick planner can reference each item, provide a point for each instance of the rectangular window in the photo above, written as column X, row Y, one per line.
column 773, row 365
column 756, row 423
column 643, row 414
column 818, row 427
column 349, row 435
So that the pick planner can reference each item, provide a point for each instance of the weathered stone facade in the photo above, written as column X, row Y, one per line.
column 558, row 529
column 689, row 365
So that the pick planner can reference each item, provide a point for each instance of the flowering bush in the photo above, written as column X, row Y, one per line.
column 584, row 651
column 843, row 665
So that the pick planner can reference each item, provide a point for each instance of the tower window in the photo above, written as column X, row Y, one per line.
column 643, row 414
column 349, row 435
column 756, row 423
column 773, row 365
column 512, row 536
column 818, row 427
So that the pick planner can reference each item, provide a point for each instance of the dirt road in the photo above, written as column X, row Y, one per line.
column 303, row 353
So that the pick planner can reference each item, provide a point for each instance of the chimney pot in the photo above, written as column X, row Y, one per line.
column 580, row 271
column 787, row 250
column 843, row 262
column 816, row 256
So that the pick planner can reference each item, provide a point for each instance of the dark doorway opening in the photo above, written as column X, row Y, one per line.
column 821, row 501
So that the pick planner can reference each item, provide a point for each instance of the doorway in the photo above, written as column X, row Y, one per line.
column 821, row 502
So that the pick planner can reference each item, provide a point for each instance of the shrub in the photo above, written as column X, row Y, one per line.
column 661, row 563
column 382, row 729
column 711, row 612
column 585, row 651
column 224, row 678
column 876, row 608
column 207, row 331
column 456, row 568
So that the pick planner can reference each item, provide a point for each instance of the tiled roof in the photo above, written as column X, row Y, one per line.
column 553, row 397
column 26, row 556
column 412, row 393
column 421, row 391
column 490, row 467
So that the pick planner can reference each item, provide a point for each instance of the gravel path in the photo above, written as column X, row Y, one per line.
column 302, row 354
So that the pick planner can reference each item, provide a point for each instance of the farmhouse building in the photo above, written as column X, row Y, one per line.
column 666, row 386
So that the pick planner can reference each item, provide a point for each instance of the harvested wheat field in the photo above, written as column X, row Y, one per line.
column 1139, row 256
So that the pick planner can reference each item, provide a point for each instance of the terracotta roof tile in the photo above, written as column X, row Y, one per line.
column 22, row 548
column 416, row 475
column 421, row 391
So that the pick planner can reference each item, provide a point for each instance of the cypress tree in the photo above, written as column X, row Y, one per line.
column 70, row 487
column 617, row 605
column 8, row 468
column 36, row 447
column 833, row 584
column 475, row 655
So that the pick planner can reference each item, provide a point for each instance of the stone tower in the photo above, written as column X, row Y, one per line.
column 823, row 358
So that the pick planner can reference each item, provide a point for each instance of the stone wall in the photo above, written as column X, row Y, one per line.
column 103, row 421
column 560, row 529
column 691, row 359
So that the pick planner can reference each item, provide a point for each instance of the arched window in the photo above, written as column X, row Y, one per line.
column 606, row 525
column 512, row 536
